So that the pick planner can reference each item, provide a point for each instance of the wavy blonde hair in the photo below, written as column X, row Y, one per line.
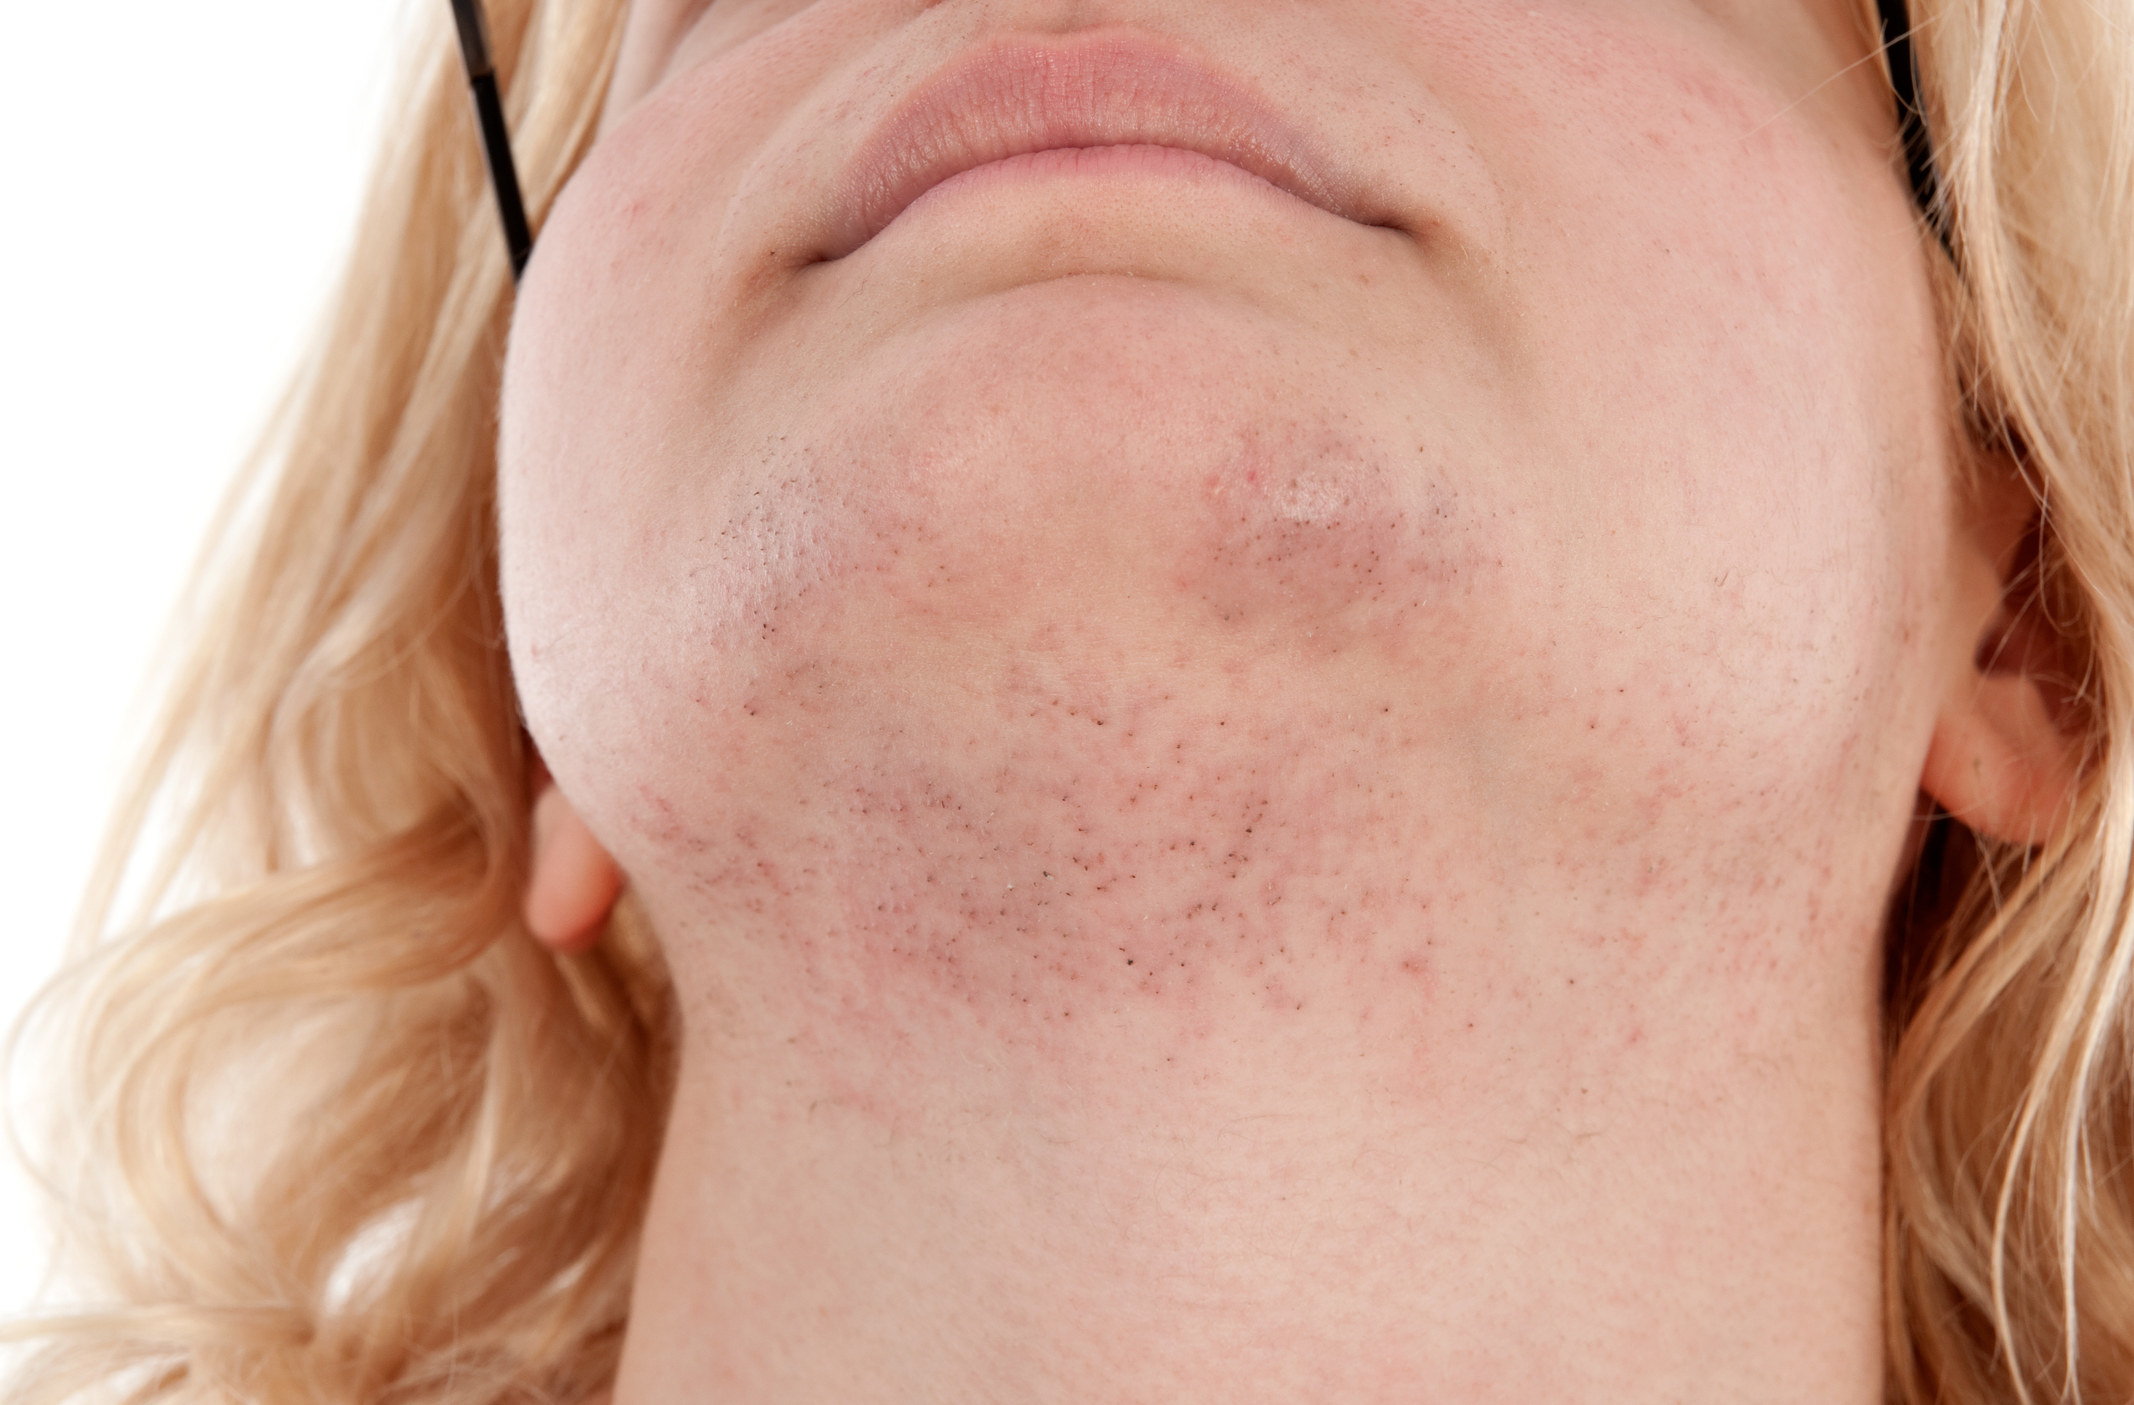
column 335, row 1131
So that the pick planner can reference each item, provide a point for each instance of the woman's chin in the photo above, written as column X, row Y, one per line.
column 1094, row 460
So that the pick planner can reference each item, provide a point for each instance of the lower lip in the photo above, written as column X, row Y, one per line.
column 1169, row 166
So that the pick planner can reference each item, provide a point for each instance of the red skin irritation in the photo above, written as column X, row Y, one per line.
column 1312, row 549
column 1072, row 838
column 1119, row 857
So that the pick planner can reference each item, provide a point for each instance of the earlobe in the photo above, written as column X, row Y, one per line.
column 1999, row 767
column 572, row 883
column 2006, row 751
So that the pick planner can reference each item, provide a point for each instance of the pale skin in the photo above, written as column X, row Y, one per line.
column 1247, row 803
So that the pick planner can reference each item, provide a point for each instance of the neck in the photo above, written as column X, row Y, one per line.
column 1208, row 1050
column 1462, row 1180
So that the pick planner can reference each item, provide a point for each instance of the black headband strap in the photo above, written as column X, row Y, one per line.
column 1912, row 120
column 496, row 142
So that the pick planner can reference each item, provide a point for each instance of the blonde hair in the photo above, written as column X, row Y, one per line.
column 336, row 1131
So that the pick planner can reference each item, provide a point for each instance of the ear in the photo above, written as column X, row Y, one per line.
column 2006, row 751
column 572, row 884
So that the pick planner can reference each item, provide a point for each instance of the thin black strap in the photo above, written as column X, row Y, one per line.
column 1912, row 119
column 496, row 141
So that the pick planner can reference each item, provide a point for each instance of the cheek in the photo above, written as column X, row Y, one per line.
column 1737, row 491
column 1735, row 328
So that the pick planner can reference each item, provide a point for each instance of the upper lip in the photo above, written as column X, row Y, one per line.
column 1023, row 94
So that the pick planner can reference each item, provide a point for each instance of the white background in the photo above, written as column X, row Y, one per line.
column 179, row 185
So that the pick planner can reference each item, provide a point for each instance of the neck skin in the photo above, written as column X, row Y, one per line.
column 1366, row 1143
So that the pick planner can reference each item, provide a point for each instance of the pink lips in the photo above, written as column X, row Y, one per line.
column 1016, row 97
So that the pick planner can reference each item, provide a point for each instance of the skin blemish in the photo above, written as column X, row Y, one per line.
column 1309, row 534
